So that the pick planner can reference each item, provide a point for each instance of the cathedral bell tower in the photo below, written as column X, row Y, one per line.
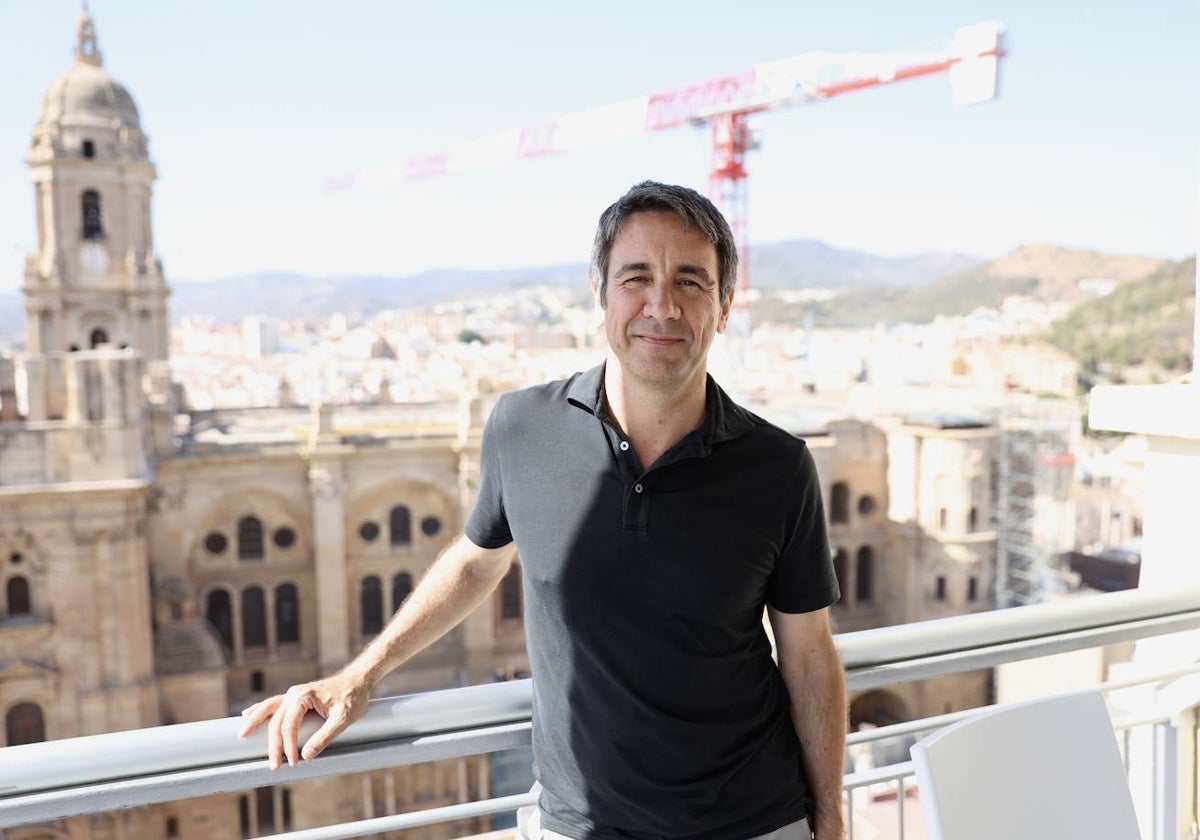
column 94, row 279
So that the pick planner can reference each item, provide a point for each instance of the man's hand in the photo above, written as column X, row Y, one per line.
column 461, row 578
column 340, row 700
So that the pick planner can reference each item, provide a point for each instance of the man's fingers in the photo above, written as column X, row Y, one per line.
column 254, row 716
column 297, row 706
column 329, row 730
column 277, row 733
column 284, row 714
column 273, row 737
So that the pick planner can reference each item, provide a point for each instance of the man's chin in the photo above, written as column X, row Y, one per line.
column 663, row 373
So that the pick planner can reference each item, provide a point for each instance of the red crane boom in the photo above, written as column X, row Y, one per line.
column 971, row 58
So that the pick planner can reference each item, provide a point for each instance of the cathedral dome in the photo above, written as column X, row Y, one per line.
column 86, row 94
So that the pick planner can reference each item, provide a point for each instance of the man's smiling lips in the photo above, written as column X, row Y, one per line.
column 659, row 340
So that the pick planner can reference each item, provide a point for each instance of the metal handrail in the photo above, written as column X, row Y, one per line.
column 55, row 779
column 51, row 765
column 887, row 655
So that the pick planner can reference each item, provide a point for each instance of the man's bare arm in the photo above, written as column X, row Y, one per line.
column 457, row 583
column 816, row 683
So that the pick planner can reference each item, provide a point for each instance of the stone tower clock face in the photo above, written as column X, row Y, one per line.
column 93, row 260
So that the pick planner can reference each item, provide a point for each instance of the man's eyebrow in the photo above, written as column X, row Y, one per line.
column 637, row 266
column 698, row 270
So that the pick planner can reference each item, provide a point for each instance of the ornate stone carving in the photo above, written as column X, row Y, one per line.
column 323, row 484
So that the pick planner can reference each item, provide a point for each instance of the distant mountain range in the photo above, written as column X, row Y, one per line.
column 1145, row 320
column 796, row 264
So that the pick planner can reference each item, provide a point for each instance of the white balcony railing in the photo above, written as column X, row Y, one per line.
column 57, row 779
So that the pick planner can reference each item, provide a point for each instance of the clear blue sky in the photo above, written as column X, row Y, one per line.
column 251, row 106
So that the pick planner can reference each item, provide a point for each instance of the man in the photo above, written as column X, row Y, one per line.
column 654, row 518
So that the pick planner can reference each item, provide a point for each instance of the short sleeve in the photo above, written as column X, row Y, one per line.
column 487, row 525
column 804, row 578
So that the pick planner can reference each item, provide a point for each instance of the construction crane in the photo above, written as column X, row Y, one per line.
column 970, row 58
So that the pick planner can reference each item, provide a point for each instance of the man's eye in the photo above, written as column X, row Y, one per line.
column 684, row 281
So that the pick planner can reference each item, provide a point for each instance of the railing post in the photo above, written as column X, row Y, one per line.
column 1180, row 793
column 1166, row 774
column 1175, row 777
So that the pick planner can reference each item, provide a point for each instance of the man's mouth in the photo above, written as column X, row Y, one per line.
column 660, row 340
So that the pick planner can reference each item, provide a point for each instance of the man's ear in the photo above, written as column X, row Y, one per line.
column 723, row 321
column 596, row 296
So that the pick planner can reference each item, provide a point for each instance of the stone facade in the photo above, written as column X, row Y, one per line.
column 159, row 567
column 910, row 509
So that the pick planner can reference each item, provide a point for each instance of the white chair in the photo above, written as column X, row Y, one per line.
column 1040, row 770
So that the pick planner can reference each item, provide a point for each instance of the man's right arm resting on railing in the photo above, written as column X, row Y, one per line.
column 458, row 582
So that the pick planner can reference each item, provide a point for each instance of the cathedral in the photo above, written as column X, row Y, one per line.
column 160, row 565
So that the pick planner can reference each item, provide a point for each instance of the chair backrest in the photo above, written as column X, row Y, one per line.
column 1045, row 769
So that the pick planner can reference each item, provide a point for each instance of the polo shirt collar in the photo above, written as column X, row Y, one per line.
column 723, row 418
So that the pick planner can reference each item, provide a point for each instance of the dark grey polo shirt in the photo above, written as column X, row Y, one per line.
column 658, row 712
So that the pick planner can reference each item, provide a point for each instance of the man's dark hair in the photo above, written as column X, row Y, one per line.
column 689, row 205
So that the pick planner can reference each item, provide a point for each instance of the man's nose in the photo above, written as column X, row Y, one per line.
column 660, row 303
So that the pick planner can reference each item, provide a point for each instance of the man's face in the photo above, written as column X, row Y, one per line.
column 663, row 304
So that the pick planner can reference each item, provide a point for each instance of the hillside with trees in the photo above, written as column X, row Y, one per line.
column 1140, row 332
column 1044, row 272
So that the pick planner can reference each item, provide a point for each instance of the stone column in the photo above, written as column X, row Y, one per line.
column 326, row 484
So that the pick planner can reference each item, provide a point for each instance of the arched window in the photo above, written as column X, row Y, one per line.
column 250, row 538
column 93, row 227
column 16, row 593
column 254, row 617
column 400, row 526
column 99, row 336
column 287, row 614
column 863, row 575
column 219, row 613
column 839, row 502
column 24, row 724
column 510, row 593
column 402, row 587
column 372, row 605
column 839, row 571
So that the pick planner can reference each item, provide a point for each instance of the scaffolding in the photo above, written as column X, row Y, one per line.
column 1034, row 513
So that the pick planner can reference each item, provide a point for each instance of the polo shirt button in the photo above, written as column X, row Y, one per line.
column 624, row 445
column 637, row 488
